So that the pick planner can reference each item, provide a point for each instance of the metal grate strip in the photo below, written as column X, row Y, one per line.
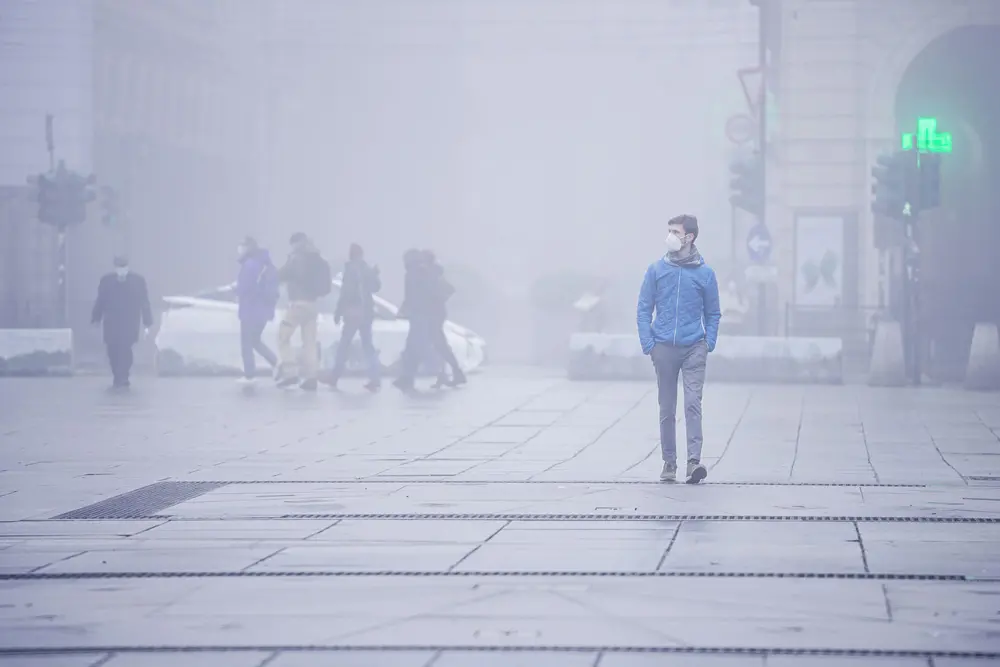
column 503, row 648
column 502, row 516
column 626, row 482
column 143, row 502
column 863, row 576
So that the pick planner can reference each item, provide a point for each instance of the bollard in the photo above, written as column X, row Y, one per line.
column 888, row 365
column 983, row 371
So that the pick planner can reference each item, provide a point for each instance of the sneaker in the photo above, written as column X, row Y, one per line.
column 668, row 474
column 696, row 472
column 308, row 385
column 245, row 382
column 373, row 386
column 459, row 379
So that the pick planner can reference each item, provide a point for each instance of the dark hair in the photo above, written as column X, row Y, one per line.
column 250, row 243
column 688, row 222
column 355, row 251
column 121, row 260
column 298, row 237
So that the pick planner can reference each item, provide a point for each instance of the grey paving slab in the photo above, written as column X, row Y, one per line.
column 706, row 546
column 236, row 530
column 518, row 659
column 162, row 560
column 365, row 557
column 17, row 562
column 682, row 660
column 356, row 659
column 89, row 660
column 74, row 529
column 571, row 557
column 214, row 659
column 399, row 532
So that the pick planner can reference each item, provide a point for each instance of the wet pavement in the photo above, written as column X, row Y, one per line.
column 517, row 521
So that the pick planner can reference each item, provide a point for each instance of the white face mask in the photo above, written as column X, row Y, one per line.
column 241, row 250
column 674, row 243
column 122, row 271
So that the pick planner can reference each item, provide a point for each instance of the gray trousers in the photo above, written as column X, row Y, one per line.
column 688, row 362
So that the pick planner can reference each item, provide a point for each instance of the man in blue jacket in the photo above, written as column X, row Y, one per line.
column 678, row 319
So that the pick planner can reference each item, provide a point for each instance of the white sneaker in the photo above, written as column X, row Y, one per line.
column 246, row 382
column 669, row 473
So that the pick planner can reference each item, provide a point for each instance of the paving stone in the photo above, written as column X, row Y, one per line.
column 507, row 444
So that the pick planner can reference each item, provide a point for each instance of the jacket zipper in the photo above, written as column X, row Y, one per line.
column 677, row 306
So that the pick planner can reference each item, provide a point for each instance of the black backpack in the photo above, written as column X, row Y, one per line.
column 318, row 279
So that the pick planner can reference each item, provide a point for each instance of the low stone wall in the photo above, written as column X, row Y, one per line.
column 36, row 352
column 735, row 359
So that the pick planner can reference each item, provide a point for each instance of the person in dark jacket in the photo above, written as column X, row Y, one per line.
column 307, row 278
column 123, row 308
column 257, row 291
column 356, row 309
column 414, row 309
column 683, row 292
column 439, row 290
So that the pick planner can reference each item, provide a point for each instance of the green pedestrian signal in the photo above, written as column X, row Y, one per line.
column 927, row 137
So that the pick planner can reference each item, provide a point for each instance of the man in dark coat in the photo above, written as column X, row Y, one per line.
column 356, row 309
column 257, row 289
column 122, row 306
column 438, row 291
column 414, row 308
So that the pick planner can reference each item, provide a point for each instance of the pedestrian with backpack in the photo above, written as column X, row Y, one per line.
column 257, row 291
column 307, row 278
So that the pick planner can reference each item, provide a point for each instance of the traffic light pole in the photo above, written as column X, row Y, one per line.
column 762, row 146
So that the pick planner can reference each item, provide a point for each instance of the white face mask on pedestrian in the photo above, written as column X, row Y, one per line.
column 122, row 272
column 241, row 250
column 674, row 243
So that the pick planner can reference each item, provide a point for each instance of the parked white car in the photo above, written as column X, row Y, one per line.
column 200, row 335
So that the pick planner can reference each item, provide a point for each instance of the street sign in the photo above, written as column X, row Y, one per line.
column 740, row 129
column 759, row 244
column 761, row 273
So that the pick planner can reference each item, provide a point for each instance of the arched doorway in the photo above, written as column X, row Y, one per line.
column 954, row 80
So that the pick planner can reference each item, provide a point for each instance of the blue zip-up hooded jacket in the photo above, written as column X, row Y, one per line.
column 684, row 294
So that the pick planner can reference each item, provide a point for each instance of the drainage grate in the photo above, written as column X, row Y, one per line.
column 143, row 502
column 387, row 479
column 504, row 648
column 502, row 516
column 863, row 576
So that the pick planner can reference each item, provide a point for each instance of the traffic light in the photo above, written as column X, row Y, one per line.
column 63, row 197
column 747, row 184
column 930, row 181
column 48, row 200
column 894, row 185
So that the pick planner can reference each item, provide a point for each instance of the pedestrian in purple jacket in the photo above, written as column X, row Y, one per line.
column 257, row 289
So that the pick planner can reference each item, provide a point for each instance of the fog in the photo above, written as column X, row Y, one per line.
column 518, row 139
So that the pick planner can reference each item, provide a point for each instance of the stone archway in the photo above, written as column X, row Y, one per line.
column 902, row 44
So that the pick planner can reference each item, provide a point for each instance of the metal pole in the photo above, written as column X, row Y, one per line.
column 918, row 347
column 762, row 147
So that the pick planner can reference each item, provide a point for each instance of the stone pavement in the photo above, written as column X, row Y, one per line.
column 516, row 521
